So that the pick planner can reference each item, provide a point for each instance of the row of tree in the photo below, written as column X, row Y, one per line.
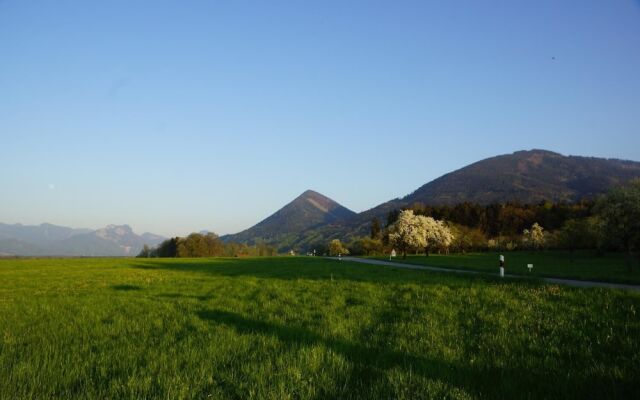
column 205, row 245
column 610, row 223
column 500, row 219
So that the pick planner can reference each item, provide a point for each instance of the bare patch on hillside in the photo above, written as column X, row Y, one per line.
column 318, row 205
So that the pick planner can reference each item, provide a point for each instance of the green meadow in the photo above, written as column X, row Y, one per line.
column 305, row 328
column 581, row 265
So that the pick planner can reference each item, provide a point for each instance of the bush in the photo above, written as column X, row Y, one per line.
column 336, row 248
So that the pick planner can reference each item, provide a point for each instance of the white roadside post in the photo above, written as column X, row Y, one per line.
column 339, row 257
column 530, row 266
column 501, row 266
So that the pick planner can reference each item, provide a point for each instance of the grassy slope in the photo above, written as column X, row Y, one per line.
column 304, row 328
column 583, row 265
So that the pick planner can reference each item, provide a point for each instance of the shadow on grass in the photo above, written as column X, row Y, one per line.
column 126, row 287
column 369, row 362
column 183, row 296
column 372, row 360
column 294, row 268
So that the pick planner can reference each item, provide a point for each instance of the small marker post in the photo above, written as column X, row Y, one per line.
column 501, row 266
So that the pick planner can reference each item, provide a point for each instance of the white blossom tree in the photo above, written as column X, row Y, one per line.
column 408, row 232
column 534, row 237
column 437, row 234
column 417, row 231
column 444, row 237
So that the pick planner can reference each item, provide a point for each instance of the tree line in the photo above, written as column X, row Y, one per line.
column 205, row 245
column 612, row 222
column 502, row 219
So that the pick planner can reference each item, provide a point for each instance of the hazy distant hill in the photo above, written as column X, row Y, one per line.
column 9, row 247
column 310, row 209
column 151, row 238
column 524, row 176
column 48, row 239
column 43, row 233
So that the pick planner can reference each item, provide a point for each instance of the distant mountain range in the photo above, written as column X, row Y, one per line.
column 53, row 240
column 525, row 176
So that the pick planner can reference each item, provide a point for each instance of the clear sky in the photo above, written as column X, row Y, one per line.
column 178, row 116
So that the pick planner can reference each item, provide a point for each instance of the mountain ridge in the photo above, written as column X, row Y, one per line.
column 54, row 240
column 308, row 210
column 525, row 176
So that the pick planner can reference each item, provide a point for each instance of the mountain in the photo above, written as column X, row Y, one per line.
column 312, row 220
column 310, row 209
column 112, row 240
column 10, row 247
column 151, row 239
column 43, row 233
column 527, row 177
column 53, row 240
column 36, row 240
column 524, row 176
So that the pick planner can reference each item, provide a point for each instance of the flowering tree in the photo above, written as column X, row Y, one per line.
column 437, row 234
column 443, row 237
column 534, row 238
column 417, row 231
column 408, row 232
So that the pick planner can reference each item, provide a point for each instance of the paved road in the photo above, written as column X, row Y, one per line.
column 559, row 281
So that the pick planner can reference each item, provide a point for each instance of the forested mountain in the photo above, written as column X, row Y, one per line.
column 525, row 177
column 307, row 211
column 53, row 240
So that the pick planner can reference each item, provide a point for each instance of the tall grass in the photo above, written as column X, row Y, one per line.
column 285, row 328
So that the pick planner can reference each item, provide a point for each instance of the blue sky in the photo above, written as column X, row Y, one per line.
column 177, row 116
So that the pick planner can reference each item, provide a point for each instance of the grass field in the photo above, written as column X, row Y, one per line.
column 307, row 328
column 583, row 265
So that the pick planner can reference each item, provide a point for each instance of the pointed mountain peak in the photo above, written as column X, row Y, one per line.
column 316, row 200
column 311, row 193
column 305, row 211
